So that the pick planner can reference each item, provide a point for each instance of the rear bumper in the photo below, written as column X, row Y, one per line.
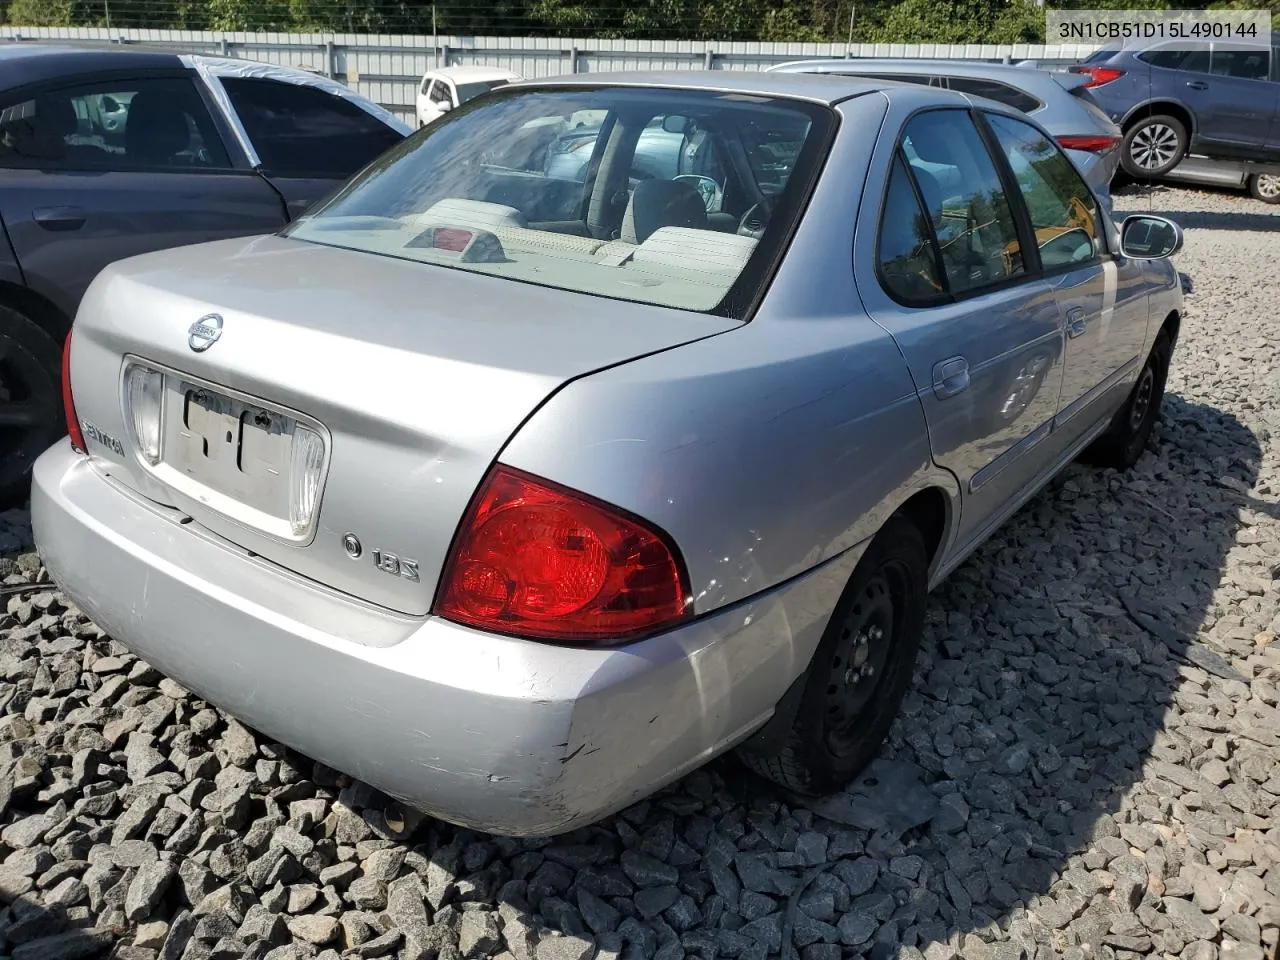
column 493, row 733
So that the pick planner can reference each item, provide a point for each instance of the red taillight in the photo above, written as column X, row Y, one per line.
column 1090, row 143
column 534, row 559
column 68, row 404
column 447, row 238
column 1098, row 75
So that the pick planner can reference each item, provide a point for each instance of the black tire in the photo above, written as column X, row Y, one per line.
column 1123, row 443
column 844, row 717
column 1153, row 146
column 1265, row 187
column 31, row 417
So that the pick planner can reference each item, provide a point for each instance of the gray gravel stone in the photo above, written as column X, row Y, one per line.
column 565, row 948
column 148, row 886
column 478, row 934
column 314, row 929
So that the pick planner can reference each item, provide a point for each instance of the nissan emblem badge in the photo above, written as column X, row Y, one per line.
column 204, row 333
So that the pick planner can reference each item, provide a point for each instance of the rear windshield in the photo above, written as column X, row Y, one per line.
column 672, row 197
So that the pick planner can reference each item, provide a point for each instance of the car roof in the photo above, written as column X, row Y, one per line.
column 22, row 62
column 818, row 87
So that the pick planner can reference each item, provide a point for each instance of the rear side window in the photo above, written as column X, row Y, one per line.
column 139, row 125
column 302, row 131
column 964, row 200
column 1245, row 64
column 905, row 252
column 999, row 92
column 1196, row 61
column 1063, row 211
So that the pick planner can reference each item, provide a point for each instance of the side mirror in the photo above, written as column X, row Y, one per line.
column 1146, row 237
column 110, row 104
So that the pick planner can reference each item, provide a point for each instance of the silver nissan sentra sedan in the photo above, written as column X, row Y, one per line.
column 520, row 495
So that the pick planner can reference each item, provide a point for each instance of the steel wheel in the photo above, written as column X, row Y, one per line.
column 866, row 643
column 1122, row 445
column 1142, row 394
column 859, row 673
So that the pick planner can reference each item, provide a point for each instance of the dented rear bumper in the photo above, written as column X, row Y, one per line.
column 494, row 733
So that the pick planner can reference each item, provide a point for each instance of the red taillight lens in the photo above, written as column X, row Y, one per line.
column 1098, row 75
column 1090, row 143
column 68, row 404
column 534, row 559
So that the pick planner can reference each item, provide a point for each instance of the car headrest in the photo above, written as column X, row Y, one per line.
column 662, row 203
column 56, row 116
column 155, row 127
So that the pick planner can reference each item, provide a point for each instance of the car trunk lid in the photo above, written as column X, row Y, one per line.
column 413, row 377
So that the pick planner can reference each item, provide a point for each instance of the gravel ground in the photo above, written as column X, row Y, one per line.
column 1089, row 765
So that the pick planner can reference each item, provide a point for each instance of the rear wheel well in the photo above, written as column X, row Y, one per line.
column 1167, row 108
column 37, row 309
column 929, row 511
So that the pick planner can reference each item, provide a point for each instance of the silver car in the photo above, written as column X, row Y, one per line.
column 1059, row 100
column 519, row 497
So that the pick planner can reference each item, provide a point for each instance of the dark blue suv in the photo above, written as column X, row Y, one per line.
column 1220, row 101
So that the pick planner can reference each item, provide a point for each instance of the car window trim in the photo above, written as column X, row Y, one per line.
column 236, row 161
column 1023, row 213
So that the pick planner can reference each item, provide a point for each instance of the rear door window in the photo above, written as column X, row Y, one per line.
column 121, row 125
column 302, row 131
column 964, row 199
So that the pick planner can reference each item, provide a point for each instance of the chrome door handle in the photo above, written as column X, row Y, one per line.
column 1076, row 322
column 950, row 376
column 1197, row 85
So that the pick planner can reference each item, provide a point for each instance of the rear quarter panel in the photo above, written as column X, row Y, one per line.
column 769, row 449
